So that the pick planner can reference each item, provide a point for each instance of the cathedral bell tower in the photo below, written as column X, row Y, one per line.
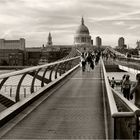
column 49, row 40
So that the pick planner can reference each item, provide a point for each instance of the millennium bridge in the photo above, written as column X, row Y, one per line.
column 69, row 103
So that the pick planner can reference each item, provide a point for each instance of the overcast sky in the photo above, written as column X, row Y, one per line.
column 34, row 19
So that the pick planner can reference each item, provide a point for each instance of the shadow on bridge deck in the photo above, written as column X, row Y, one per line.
column 74, row 111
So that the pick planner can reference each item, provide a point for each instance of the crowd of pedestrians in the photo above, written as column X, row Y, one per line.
column 89, row 60
column 126, row 88
column 128, row 92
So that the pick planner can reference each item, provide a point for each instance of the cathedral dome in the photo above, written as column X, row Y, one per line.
column 82, row 29
column 82, row 36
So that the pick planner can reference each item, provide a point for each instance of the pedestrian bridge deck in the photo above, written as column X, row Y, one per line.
column 74, row 111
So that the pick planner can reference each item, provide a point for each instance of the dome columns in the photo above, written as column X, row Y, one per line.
column 82, row 39
column 82, row 35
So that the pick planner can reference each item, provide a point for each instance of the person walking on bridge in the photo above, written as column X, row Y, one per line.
column 113, row 82
column 121, row 82
column 136, row 90
column 126, row 85
column 89, row 61
column 83, row 61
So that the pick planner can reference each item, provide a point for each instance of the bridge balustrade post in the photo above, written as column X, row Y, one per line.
column 115, row 129
column 75, row 62
column 61, row 68
column 50, row 76
column 2, row 82
column 11, row 92
column 137, row 128
column 56, row 71
column 33, row 81
column 17, row 98
column 5, row 88
column 68, row 65
column 71, row 64
column 24, row 92
column 124, row 126
column 43, row 77
column 65, row 66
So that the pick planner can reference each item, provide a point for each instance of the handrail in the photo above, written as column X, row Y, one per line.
column 122, row 114
column 111, row 99
column 131, row 106
column 113, row 107
column 123, row 56
column 18, row 107
column 34, row 68
column 58, row 68
column 129, row 69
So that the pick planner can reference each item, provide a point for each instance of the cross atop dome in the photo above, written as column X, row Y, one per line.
column 82, row 29
column 82, row 21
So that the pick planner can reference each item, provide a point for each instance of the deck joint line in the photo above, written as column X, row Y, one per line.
column 87, row 78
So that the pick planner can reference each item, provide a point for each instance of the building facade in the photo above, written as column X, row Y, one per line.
column 33, row 55
column 138, row 44
column 12, row 52
column 51, row 53
column 98, row 42
column 12, row 44
column 121, row 42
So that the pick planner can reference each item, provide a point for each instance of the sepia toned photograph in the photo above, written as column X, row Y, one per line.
column 69, row 69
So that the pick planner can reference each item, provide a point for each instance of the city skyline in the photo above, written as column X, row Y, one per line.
column 33, row 20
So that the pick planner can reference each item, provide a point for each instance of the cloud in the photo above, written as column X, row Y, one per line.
column 134, row 27
column 33, row 19
column 120, row 23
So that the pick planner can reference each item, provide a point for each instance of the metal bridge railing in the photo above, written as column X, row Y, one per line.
column 121, row 57
column 54, row 70
column 131, row 59
column 122, row 115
